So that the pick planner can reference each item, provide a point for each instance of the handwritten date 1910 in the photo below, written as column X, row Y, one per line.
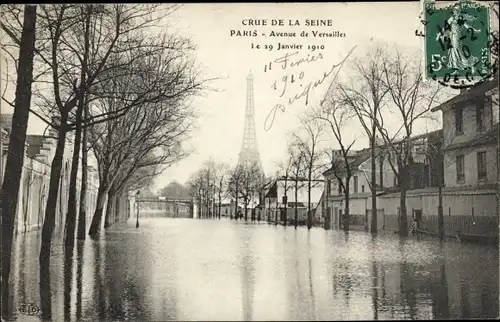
column 303, row 92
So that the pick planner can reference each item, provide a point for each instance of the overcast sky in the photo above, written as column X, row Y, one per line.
column 230, row 58
column 220, row 131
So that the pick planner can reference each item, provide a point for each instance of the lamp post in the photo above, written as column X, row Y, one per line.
column 137, row 197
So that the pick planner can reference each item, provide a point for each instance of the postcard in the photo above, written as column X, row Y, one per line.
column 250, row 161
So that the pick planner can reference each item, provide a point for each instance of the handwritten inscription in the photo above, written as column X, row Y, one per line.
column 282, row 85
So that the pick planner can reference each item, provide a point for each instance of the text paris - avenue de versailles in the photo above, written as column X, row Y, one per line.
column 281, row 22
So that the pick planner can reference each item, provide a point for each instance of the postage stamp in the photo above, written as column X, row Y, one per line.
column 457, row 43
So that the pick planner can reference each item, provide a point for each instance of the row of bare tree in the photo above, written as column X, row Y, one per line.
column 117, row 85
column 387, row 95
column 215, row 182
column 384, row 87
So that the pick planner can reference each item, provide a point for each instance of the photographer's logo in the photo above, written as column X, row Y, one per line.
column 29, row 309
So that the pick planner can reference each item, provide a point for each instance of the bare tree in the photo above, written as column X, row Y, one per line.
column 82, row 214
column 250, row 181
column 221, row 175
column 309, row 144
column 234, row 186
column 413, row 99
column 336, row 114
column 285, row 173
column 116, row 29
column 14, row 165
column 157, row 127
column 195, row 185
column 298, row 168
column 365, row 93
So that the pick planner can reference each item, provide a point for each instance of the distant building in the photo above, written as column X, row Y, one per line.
column 274, row 206
column 227, row 209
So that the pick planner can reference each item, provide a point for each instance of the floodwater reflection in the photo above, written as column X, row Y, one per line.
column 184, row 269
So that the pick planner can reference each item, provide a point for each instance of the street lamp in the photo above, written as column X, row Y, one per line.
column 137, row 197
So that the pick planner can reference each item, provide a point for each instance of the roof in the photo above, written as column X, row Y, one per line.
column 356, row 160
column 473, row 92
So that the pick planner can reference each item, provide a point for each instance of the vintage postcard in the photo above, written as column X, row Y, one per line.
column 250, row 161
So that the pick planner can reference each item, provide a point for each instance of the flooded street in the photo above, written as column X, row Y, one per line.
column 188, row 269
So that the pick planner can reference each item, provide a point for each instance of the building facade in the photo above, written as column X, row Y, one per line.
column 462, row 159
column 275, row 207
column 35, row 179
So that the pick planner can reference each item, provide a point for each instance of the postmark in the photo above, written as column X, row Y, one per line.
column 457, row 43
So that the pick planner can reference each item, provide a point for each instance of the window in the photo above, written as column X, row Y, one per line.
column 459, row 121
column 480, row 117
column 355, row 179
column 460, row 168
column 363, row 188
column 340, row 189
column 481, row 165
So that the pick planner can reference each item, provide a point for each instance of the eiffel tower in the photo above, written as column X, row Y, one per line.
column 249, row 152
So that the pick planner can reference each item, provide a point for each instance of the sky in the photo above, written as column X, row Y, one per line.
column 230, row 58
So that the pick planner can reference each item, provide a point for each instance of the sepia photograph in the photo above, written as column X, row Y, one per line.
column 250, row 161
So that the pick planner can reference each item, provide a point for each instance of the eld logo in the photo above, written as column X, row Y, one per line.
column 29, row 309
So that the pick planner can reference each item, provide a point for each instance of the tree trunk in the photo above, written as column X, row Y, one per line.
column 440, row 212
column 236, row 203
column 309, row 212
column 82, row 216
column 373, row 187
column 199, row 207
column 498, row 166
column 117, row 207
column 71, row 213
column 109, row 209
column 346, row 210
column 246, row 209
column 55, row 176
column 220, row 207
column 403, row 218
column 285, row 204
column 296, row 209
column 14, row 164
column 403, row 185
column 95, row 225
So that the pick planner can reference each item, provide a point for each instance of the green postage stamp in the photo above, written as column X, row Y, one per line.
column 457, row 43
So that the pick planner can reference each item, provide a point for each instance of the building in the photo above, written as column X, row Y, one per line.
column 274, row 205
column 35, row 179
column 461, row 158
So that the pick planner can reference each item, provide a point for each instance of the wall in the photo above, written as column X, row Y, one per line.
column 470, row 166
column 472, row 212
column 470, row 133
column 34, row 186
column 469, row 122
column 316, row 191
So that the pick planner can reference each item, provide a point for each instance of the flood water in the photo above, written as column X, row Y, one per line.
column 190, row 269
